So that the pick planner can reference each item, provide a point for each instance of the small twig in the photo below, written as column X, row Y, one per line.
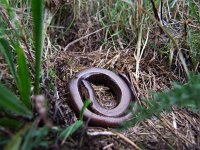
column 128, row 141
column 96, row 133
column 108, row 146
column 115, row 134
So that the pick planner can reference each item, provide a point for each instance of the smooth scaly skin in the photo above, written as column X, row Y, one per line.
column 118, row 85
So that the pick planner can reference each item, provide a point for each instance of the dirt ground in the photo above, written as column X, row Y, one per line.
column 178, row 129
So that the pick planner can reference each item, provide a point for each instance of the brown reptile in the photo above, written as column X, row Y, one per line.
column 119, row 85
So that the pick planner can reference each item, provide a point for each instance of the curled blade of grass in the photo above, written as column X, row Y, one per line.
column 37, row 13
column 70, row 130
column 10, row 102
column 23, row 76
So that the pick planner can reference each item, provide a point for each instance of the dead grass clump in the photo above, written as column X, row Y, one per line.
column 177, row 129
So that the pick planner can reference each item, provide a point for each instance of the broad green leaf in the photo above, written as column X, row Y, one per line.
column 23, row 76
column 38, row 23
column 10, row 123
column 6, row 50
column 70, row 130
column 10, row 102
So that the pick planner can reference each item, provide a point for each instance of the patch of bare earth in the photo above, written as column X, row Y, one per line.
column 179, row 129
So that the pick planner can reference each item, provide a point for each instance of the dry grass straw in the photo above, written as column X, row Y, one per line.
column 175, row 129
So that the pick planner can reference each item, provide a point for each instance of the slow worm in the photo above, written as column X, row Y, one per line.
column 120, row 87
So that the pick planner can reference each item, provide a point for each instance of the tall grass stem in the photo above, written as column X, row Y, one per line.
column 37, row 13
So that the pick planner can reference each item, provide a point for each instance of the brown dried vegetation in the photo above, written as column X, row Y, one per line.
column 77, row 39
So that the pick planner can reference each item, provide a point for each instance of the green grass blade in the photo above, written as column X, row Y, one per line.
column 35, row 137
column 39, row 136
column 37, row 13
column 16, row 140
column 10, row 123
column 24, row 78
column 10, row 102
column 27, row 142
column 75, row 126
column 70, row 130
column 86, row 104
column 194, row 10
column 6, row 50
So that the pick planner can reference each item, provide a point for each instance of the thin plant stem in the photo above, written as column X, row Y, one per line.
column 37, row 12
